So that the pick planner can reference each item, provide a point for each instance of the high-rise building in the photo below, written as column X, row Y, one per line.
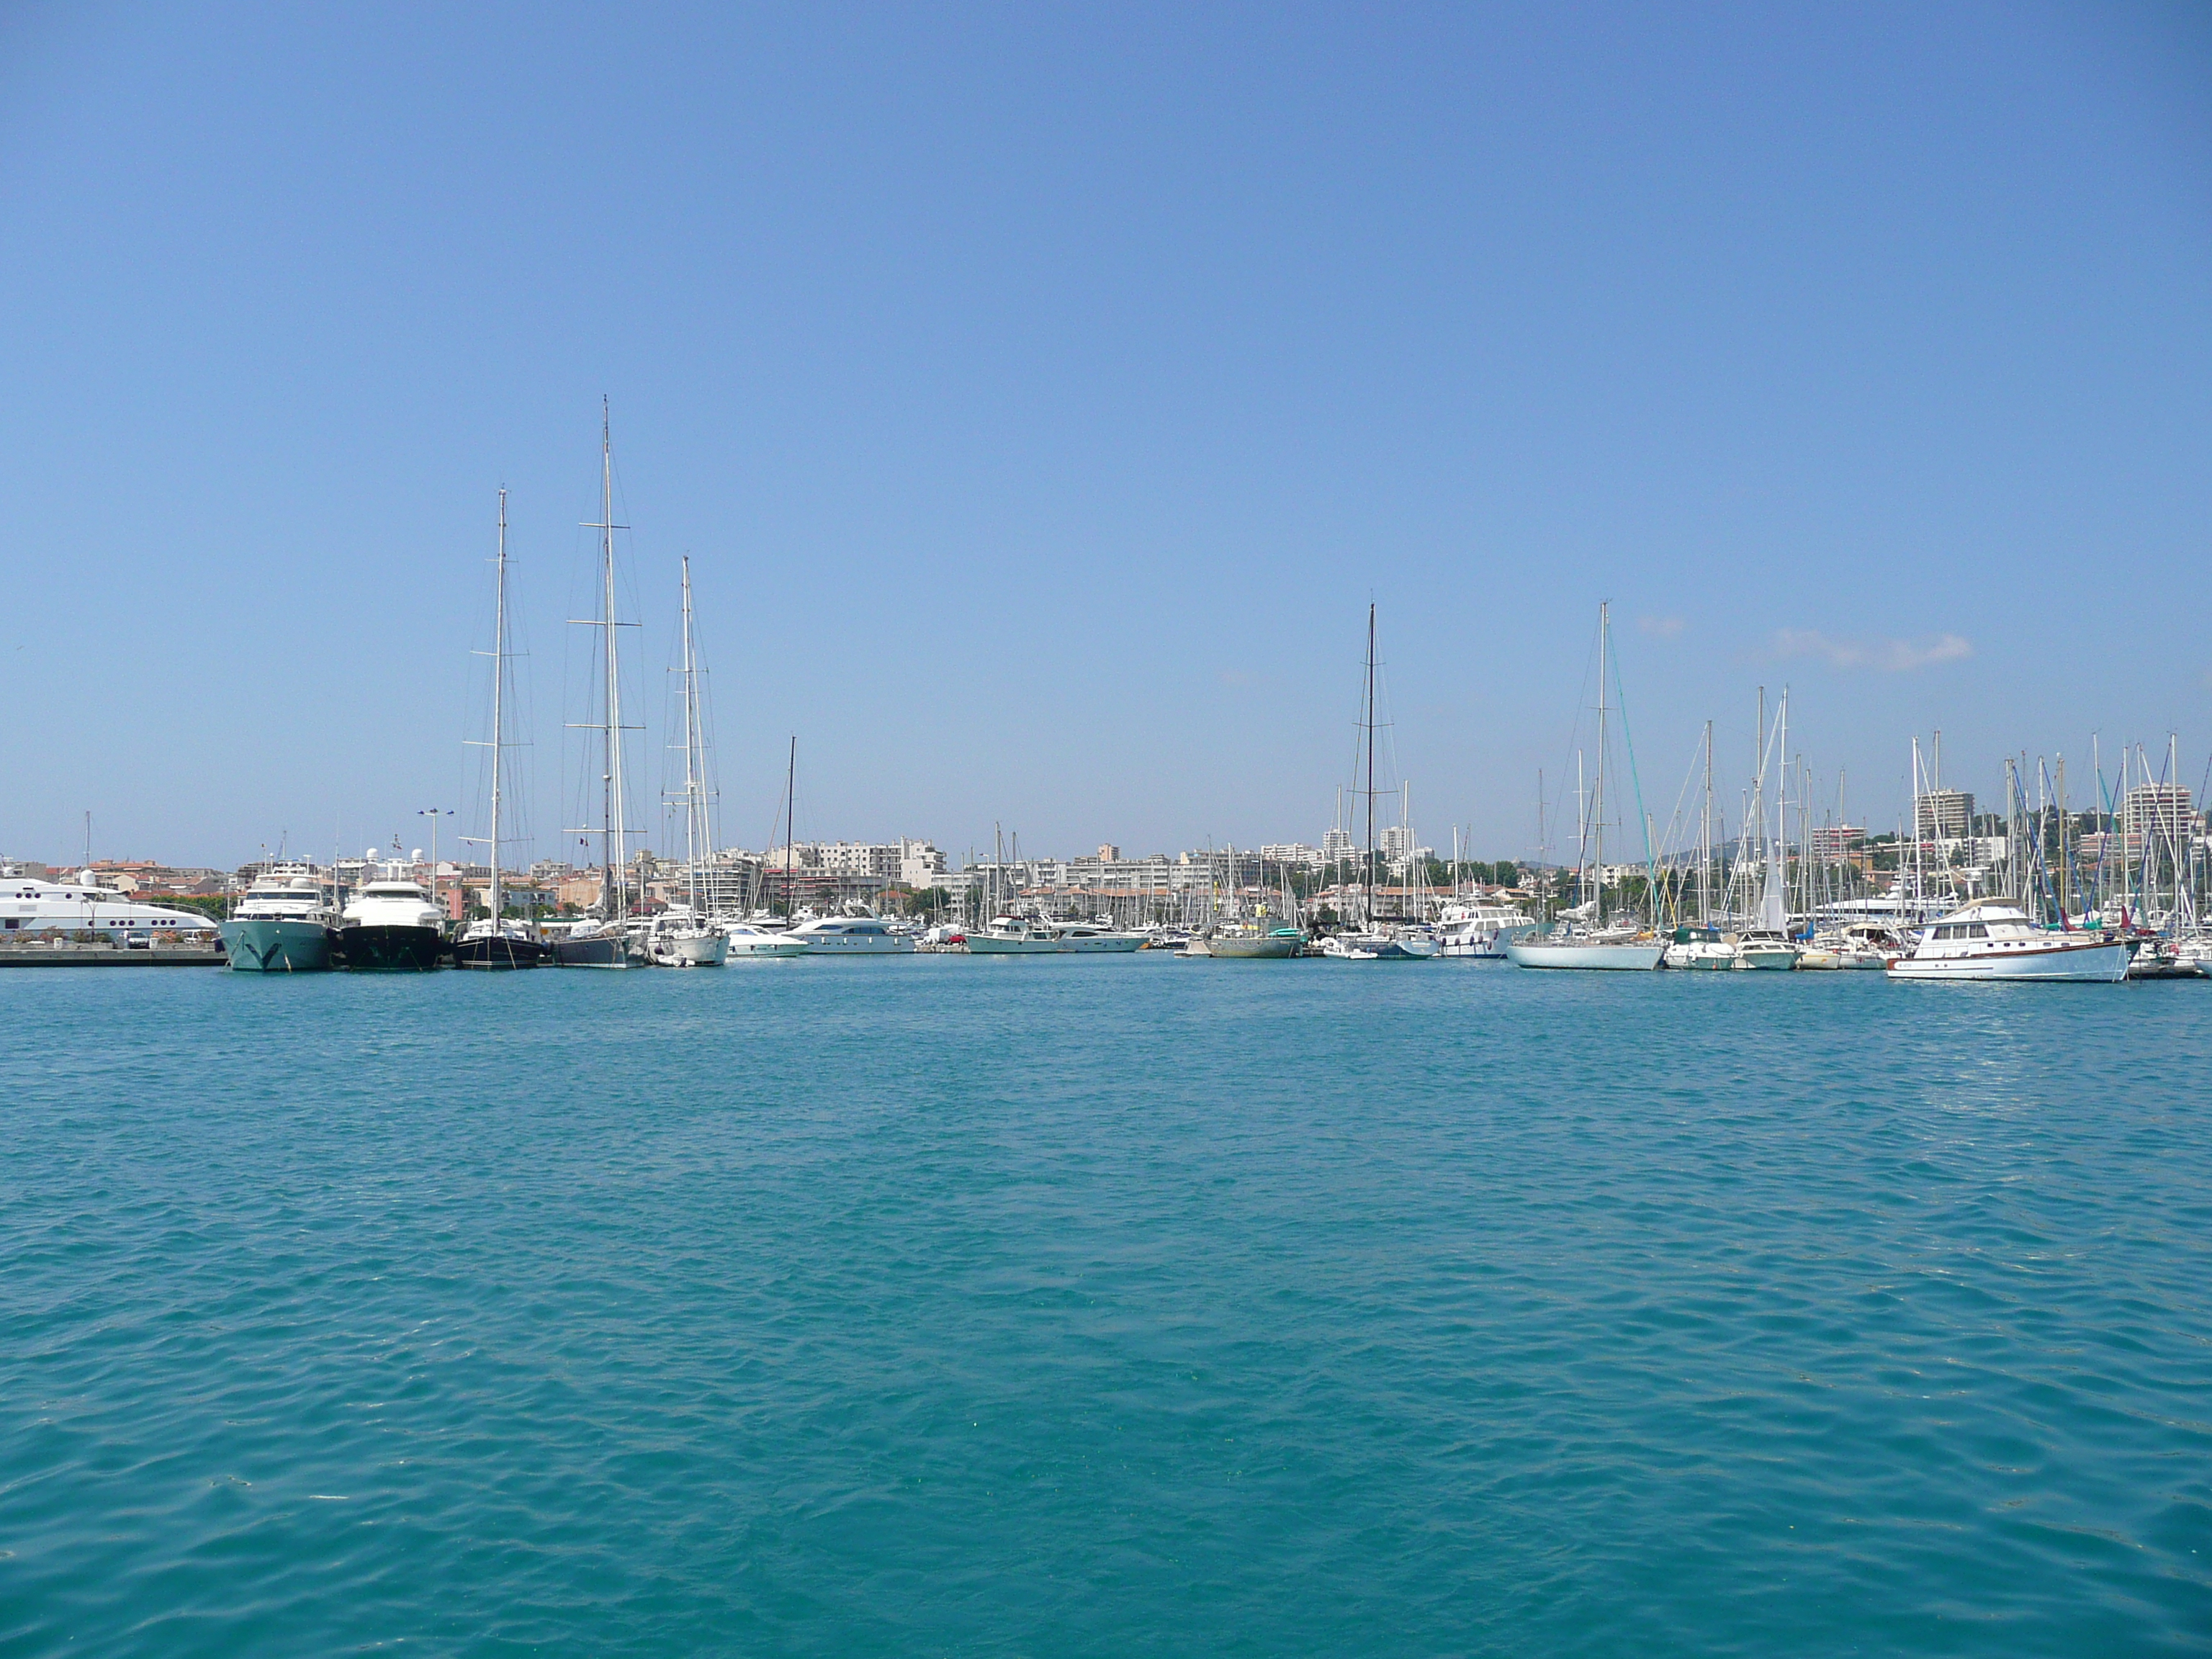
column 2158, row 811
column 1944, row 814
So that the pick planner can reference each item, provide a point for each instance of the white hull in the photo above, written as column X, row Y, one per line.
column 1619, row 959
column 1100, row 945
column 705, row 949
column 981, row 944
column 2091, row 964
column 1701, row 956
column 849, row 944
column 765, row 945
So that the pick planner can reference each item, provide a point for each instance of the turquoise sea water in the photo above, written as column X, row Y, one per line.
column 1103, row 1306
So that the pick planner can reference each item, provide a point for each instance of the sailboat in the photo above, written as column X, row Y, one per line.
column 1765, row 944
column 682, row 937
column 604, row 941
column 1373, row 942
column 496, row 941
column 1701, row 946
column 1585, row 941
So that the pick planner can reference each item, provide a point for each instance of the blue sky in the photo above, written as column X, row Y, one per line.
column 1042, row 393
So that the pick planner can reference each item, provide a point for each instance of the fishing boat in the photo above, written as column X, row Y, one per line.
column 284, row 924
column 607, row 940
column 1994, row 938
column 1700, row 949
column 1584, row 939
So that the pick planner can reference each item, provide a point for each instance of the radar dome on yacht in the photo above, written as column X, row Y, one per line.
column 371, row 855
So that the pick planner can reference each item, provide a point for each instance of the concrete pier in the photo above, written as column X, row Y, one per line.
column 72, row 954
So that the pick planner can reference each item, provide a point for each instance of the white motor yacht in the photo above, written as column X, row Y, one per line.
column 391, row 927
column 1993, row 939
column 283, row 926
column 1016, row 936
column 750, row 939
column 30, row 907
column 1095, row 939
column 1475, row 927
column 1403, row 944
column 851, row 936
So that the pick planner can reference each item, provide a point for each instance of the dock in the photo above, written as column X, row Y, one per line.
column 74, row 955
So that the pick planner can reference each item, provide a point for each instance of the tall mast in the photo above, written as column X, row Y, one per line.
column 1705, row 840
column 498, row 745
column 1597, row 797
column 1369, row 919
column 790, row 821
column 694, row 758
column 498, row 685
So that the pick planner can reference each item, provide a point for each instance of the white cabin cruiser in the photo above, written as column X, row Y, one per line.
column 851, row 936
column 1095, row 939
column 31, row 907
column 1015, row 936
column 1475, row 927
column 748, row 939
column 1993, row 939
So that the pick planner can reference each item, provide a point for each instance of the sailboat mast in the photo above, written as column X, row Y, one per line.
column 1370, row 918
column 692, row 762
column 1706, row 841
column 498, row 685
column 790, row 820
column 1597, row 798
column 615, row 836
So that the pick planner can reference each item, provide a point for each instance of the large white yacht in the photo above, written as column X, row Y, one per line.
column 852, row 936
column 391, row 927
column 1994, row 938
column 29, row 907
column 284, row 924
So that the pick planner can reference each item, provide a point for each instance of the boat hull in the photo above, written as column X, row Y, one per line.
column 1767, row 958
column 500, row 953
column 2062, row 964
column 1611, row 958
column 691, row 950
column 276, row 945
column 1243, row 948
column 382, row 949
column 1105, row 944
column 747, row 944
column 1701, row 957
column 860, row 945
column 981, row 945
column 594, row 950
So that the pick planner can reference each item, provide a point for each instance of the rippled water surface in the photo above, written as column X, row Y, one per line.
column 1104, row 1306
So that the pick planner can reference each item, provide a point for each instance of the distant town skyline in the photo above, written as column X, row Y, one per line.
column 1043, row 397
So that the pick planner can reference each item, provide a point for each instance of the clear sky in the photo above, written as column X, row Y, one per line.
column 1042, row 393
